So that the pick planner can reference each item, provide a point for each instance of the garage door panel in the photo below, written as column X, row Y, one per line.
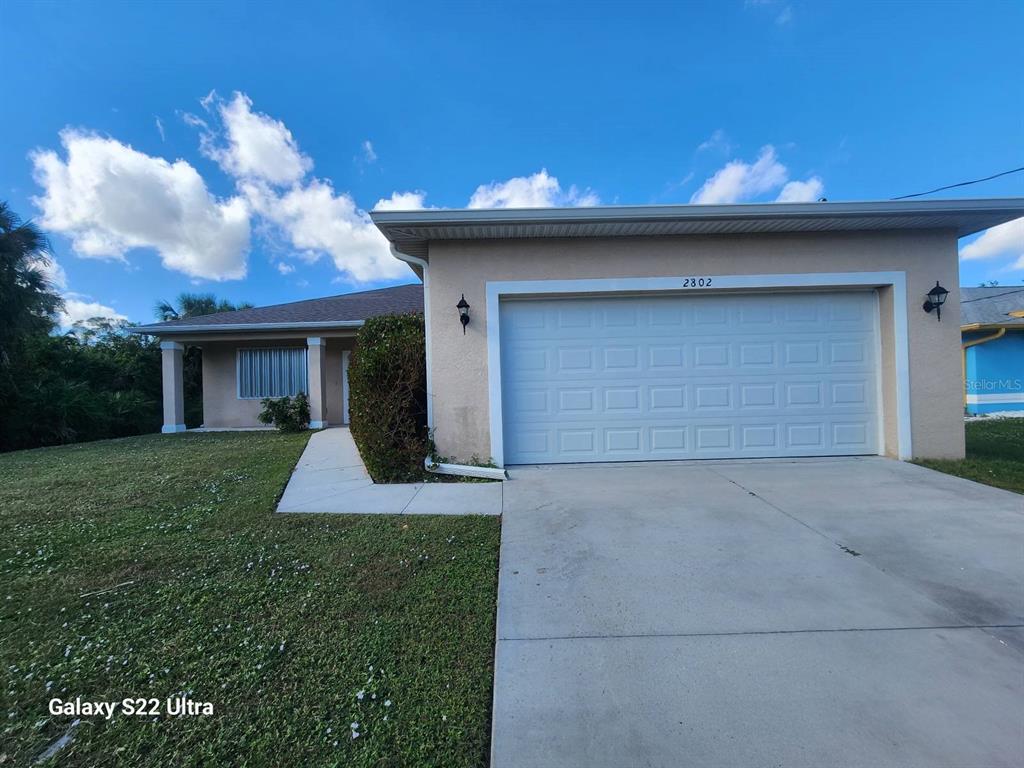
column 707, row 439
column 745, row 398
column 710, row 376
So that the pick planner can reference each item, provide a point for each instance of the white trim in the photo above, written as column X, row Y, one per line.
column 159, row 330
column 422, row 264
column 344, row 385
column 170, row 429
column 497, row 289
column 314, row 341
column 841, row 212
column 177, row 346
column 879, row 390
column 996, row 397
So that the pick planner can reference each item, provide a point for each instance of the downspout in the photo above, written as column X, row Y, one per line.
column 973, row 343
column 429, row 462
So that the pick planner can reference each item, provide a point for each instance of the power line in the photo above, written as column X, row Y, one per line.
column 992, row 296
column 961, row 184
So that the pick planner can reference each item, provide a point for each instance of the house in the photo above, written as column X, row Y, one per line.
column 641, row 332
column 250, row 354
column 992, row 328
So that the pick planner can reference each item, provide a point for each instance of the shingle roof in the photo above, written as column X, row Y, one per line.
column 991, row 306
column 346, row 309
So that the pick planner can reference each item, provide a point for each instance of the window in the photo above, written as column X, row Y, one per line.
column 273, row 372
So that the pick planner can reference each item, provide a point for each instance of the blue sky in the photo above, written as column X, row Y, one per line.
column 235, row 148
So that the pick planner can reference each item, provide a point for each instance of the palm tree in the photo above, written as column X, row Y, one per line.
column 28, row 303
column 194, row 305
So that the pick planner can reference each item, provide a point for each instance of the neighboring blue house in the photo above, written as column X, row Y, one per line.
column 992, row 331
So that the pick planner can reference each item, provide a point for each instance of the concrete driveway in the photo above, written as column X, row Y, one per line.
column 839, row 612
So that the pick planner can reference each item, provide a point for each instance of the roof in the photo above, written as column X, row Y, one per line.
column 411, row 231
column 348, row 310
column 991, row 306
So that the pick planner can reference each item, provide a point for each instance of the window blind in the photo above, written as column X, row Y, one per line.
column 272, row 372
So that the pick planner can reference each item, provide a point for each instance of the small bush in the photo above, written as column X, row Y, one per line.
column 288, row 414
column 387, row 379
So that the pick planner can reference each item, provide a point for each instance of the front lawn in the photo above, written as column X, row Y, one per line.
column 995, row 454
column 152, row 566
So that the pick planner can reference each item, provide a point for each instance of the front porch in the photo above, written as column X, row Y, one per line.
column 239, row 371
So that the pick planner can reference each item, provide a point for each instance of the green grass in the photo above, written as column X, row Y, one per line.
column 995, row 455
column 281, row 621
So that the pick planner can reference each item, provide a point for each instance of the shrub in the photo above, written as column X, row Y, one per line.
column 288, row 414
column 387, row 379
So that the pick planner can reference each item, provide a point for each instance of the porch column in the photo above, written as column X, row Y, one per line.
column 317, row 354
column 174, row 394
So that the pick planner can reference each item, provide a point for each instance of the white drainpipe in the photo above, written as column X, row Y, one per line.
column 429, row 462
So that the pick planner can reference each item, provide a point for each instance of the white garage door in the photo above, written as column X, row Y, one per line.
column 689, row 377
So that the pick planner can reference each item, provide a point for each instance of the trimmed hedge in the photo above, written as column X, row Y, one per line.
column 387, row 401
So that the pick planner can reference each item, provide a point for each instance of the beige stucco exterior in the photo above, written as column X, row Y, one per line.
column 223, row 409
column 458, row 363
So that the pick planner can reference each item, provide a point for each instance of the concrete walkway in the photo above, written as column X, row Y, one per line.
column 330, row 477
column 834, row 612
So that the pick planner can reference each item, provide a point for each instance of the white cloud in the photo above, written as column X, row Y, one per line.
column 258, row 146
column 52, row 271
column 369, row 155
column 783, row 17
column 109, row 198
column 1004, row 240
column 738, row 181
column 315, row 218
column 741, row 181
column 541, row 190
column 194, row 121
column 160, row 128
column 402, row 201
column 78, row 310
column 801, row 191
column 717, row 141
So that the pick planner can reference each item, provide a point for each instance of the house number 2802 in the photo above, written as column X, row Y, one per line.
column 696, row 282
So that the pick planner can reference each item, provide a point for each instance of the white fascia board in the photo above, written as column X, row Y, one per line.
column 160, row 330
column 642, row 213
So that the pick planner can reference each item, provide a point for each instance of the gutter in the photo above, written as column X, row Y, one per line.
column 429, row 462
column 973, row 343
column 642, row 213
column 158, row 330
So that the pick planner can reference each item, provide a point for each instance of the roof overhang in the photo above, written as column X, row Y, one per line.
column 410, row 232
column 170, row 330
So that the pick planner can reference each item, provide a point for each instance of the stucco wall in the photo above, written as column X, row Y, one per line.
column 222, row 408
column 459, row 363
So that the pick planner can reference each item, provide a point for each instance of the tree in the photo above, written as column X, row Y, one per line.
column 194, row 305
column 97, row 380
column 28, row 304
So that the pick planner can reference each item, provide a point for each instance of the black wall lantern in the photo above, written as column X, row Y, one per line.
column 936, row 298
column 463, row 307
